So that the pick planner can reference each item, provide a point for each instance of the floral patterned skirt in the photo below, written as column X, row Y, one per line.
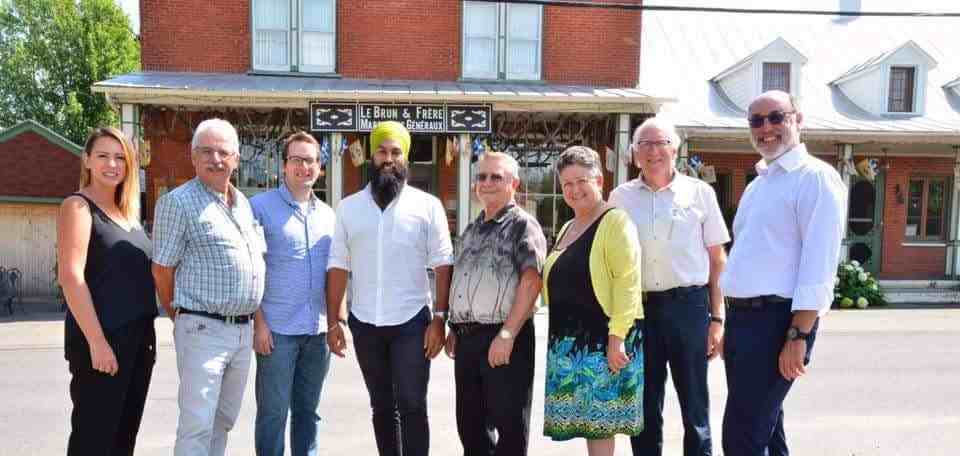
column 583, row 397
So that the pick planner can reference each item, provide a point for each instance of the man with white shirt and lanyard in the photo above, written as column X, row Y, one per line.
column 779, row 278
column 386, row 237
column 682, row 234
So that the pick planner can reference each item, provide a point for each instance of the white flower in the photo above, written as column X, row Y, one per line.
column 862, row 303
column 855, row 263
column 848, row 267
column 862, row 276
column 874, row 287
column 836, row 281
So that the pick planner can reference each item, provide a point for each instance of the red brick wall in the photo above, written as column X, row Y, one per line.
column 592, row 46
column 31, row 166
column 170, row 162
column 392, row 39
column 202, row 36
column 899, row 261
column 399, row 39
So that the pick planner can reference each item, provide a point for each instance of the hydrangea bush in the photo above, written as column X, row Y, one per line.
column 854, row 287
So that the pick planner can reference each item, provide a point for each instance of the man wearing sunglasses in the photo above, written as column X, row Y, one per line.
column 496, row 281
column 682, row 234
column 779, row 278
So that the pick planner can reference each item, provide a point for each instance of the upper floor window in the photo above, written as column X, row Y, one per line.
column 776, row 76
column 502, row 41
column 900, row 96
column 295, row 35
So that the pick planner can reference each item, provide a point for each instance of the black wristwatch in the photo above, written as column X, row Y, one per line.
column 716, row 319
column 794, row 333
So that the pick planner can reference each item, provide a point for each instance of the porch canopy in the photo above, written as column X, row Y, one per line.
column 262, row 91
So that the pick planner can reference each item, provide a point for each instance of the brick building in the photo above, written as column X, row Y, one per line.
column 528, row 79
column 38, row 169
column 881, row 101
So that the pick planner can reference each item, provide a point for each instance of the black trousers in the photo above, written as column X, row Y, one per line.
column 107, row 409
column 396, row 371
column 494, row 402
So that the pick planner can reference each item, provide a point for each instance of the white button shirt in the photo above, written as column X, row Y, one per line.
column 389, row 251
column 787, row 232
column 676, row 224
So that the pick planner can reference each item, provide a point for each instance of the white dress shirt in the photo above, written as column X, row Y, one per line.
column 676, row 224
column 787, row 232
column 389, row 251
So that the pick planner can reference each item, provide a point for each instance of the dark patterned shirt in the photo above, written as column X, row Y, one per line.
column 493, row 254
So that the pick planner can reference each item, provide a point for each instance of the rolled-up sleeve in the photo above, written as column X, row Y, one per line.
column 439, row 246
column 169, row 232
column 339, row 253
column 621, row 251
column 821, row 213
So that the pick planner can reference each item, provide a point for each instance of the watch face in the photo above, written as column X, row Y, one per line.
column 793, row 333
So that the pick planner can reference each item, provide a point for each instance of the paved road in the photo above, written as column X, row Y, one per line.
column 883, row 382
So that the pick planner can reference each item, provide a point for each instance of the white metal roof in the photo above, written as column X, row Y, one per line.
column 224, row 89
column 682, row 51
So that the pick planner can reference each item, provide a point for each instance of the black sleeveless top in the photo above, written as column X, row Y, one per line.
column 118, row 276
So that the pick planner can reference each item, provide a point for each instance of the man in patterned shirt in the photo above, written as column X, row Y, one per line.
column 496, row 279
column 209, row 271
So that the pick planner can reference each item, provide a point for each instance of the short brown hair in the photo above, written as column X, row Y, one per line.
column 300, row 136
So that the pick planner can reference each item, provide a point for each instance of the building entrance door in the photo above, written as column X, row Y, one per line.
column 865, row 222
column 422, row 162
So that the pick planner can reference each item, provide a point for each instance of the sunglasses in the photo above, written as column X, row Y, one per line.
column 495, row 178
column 775, row 118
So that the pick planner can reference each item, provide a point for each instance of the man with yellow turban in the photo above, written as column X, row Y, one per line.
column 386, row 237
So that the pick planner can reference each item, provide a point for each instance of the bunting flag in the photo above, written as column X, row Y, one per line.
column 477, row 148
column 324, row 151
column 356, row 153
column 448, row 158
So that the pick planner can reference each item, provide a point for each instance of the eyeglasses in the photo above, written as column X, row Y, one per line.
column 775, row 118
column 494, row 178
column 643, row 144
column 297, row 161
column 209, row 152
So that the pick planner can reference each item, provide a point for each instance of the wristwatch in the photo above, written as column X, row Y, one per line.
column 716, row 319
column 440, row 313
column 794, row 333
column 505, row 334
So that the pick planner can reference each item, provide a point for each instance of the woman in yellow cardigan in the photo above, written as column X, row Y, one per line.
column 592, row 284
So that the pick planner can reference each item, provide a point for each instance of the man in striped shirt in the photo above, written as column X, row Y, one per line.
column 289, row 336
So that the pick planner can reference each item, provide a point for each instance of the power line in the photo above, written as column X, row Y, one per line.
column 703, row 9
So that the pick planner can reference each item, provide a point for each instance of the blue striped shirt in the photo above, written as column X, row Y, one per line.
column 298, row 245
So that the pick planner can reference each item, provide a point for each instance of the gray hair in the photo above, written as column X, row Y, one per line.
column 219, row 125
column 507, row 160
column 581, row 156
column 664, row 125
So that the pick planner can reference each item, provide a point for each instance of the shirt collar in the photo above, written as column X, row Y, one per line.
column 369, row 190
column 500, row 216
column 788, row 162
column 288, row 197
column 231, row 190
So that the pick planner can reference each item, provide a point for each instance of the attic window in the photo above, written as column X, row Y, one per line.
column 776, row 76
column 900, row 97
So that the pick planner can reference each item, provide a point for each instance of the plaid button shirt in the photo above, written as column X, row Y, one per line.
column 217, row 250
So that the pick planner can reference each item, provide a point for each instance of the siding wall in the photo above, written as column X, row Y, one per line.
column 28, row 242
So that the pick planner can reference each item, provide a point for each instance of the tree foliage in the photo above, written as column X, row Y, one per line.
column 51, row 53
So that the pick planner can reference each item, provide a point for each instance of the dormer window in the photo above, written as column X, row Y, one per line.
column 776, row 76
column 902, row 86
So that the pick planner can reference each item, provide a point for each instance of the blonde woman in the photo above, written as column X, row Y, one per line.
column 104, row 268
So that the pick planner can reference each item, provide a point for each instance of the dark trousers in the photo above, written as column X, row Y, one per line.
column 493, row 402
column 107, row 408
column 753, row 419
column 675, row 324
column 396, row 370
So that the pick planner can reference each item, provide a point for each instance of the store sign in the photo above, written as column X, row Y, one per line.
column 416, row 117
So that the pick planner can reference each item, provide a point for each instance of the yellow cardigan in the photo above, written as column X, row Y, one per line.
column 614, row 270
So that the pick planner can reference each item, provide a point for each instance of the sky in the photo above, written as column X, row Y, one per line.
column 132, row 8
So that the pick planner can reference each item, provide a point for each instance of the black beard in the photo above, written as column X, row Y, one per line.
column 385, row 184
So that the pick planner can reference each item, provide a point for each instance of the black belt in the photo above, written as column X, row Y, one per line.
column 231, row 319
column 756, row 302
column 674, row 292
column 466, row 328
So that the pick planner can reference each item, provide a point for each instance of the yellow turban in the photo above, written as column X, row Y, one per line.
column 390, row 130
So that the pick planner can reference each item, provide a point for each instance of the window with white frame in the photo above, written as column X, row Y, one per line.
column 295, row 35
column 502, row 40
column 901, row 90
column 776, row 76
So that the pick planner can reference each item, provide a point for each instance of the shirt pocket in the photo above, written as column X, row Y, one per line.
column 685, row 225
column 407, row 231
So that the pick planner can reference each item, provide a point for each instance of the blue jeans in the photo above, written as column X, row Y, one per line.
column 676, row 323
column 753, row 418
column 396, row 371
column 290, row 379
